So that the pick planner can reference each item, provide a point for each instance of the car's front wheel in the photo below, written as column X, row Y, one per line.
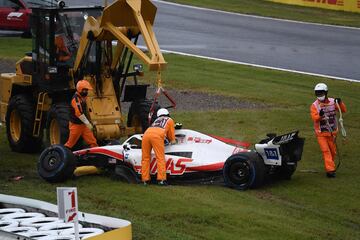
column 244, row 170
column 56, row 164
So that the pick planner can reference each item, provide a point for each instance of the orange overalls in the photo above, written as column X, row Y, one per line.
column 76, row 126
column 153, row 138
column 326, row 129
column 62, row 52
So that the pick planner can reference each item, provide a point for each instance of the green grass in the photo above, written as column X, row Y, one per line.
column 14, row 47
column 277, row 10
column 310, row 206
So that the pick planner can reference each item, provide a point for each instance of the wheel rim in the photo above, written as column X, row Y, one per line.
column 54, row 132
column 52, row 161
column 15, row 125
column 240, row 173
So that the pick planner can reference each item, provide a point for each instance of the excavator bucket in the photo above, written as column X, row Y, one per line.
column 117, row 20
column 121, row 13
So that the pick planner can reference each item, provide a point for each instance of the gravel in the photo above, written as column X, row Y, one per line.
column 186, row 100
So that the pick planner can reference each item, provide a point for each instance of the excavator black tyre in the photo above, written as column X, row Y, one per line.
column 139, row 112
column 20, row 117
column 57, row 124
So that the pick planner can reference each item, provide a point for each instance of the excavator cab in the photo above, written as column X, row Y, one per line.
column 56, row 34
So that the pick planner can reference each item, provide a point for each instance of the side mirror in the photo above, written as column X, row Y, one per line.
column 126, row 147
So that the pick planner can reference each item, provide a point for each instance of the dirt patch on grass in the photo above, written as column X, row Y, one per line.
column 186, row 100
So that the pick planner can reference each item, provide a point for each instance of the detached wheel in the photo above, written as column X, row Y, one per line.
column 20, row 117
column 125, row 174
column 138, row 114
column 56, row 164
column 57, row 124
column 244, row 170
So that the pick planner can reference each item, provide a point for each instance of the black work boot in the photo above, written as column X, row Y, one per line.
column 331, row 174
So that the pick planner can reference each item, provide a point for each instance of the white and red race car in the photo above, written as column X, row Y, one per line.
column 195, row 157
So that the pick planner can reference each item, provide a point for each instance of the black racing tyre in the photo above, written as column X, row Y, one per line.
column 244, row 170
column 20, row 118
column 56, row 164
column 57, row 124
column 138, row 114
column 126, row 174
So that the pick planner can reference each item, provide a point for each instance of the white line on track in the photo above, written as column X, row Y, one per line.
column 257, row 65
column 254, row 16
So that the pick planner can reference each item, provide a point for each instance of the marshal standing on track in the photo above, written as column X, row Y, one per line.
column 323, row 113
column 163, row 127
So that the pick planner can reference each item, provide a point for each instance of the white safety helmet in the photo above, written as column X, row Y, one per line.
column 162, row 112
column 321, row 87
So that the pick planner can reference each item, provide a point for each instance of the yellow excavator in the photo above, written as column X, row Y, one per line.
column 72, row 43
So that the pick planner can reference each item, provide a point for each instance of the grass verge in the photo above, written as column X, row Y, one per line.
column 309, row 206
column 277, row 10
column 14, row 47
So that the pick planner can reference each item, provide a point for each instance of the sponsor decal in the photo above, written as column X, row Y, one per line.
column 173, row 166
column 239, row 150
column 199, row 140
column 14, row 16
column 271, row 153
column 329, row 2
column 285, row 138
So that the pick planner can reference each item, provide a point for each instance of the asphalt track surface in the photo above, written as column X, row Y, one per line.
column 310, row 48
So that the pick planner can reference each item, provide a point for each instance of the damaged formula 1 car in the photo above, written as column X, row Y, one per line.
column 196, row 157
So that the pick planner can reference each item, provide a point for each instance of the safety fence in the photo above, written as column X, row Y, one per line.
column 342, row 5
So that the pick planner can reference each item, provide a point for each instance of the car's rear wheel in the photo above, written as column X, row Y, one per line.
column 56, row 164
column 244, row 170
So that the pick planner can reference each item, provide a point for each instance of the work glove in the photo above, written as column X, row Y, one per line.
column 321, row 113
column 338, row 100
column 89, row 126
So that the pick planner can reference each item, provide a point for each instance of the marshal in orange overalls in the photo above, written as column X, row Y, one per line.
column 163, row 127
column 326, row 129
column 79, row 125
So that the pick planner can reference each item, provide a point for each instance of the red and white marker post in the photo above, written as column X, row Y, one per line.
column 68, row 206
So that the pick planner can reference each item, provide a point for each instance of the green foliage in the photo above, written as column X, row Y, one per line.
column 270, row 9
column 310, row 206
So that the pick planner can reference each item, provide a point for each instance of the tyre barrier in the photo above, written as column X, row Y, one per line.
column 6, row 211
column 8, row 223
column 39, row 234
column 83, row 232
column 40, row 221
column 18, row 230
column 20, row 217
column 57, row 238
column 58, row 227
column 23, row 218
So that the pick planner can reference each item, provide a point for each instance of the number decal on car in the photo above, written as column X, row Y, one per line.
column 271, row 153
